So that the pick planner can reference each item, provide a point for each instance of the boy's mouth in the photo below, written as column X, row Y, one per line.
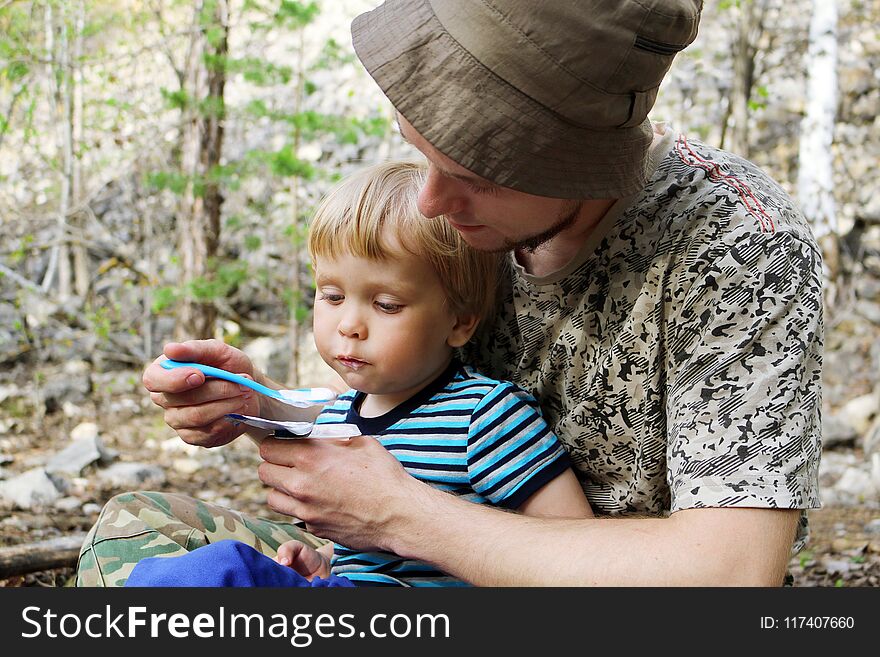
column 351, row 362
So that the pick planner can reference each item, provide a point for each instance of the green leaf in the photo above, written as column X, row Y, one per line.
column 285, row 163
column 178, row 99
column 16, row 71
column 176, row 182
column 296, row 14
column 164, row 297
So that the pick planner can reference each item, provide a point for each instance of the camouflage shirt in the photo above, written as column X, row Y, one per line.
column 678, row 356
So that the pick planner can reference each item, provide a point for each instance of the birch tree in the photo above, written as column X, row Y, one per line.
column 201, row 203
column 815, row 181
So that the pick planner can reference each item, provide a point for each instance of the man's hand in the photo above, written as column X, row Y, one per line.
column 352, row 491
column 195, row 406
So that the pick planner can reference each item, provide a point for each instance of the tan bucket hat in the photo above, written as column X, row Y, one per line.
column 547, row 97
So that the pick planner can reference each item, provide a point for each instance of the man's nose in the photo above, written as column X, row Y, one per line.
column 440, row 195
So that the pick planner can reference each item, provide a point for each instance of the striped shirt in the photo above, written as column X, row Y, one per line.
column 481, row 439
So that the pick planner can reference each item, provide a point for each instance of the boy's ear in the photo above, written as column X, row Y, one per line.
column 461, row 332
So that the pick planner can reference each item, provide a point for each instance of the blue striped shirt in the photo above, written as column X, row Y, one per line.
column 481, row 439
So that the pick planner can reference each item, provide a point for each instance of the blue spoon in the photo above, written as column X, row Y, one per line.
column 301, row 397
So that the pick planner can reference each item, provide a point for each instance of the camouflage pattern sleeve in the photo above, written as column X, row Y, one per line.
column 744, row 366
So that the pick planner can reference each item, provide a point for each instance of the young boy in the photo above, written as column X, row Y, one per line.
column 396, row 295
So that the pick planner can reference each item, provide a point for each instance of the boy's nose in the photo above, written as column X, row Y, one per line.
column 440, row 195
column 352, row 326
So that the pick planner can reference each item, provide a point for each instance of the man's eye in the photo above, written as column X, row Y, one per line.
column 389, row 308
column 477, row 189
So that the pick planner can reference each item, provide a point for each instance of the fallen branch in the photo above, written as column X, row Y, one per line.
column 59, row 552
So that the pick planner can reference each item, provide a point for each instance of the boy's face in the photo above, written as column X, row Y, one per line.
column 384, row 325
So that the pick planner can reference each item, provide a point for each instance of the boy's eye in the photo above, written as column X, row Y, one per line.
column 332, row 298
column 389, row 308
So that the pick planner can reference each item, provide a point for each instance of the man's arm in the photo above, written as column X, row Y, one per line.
column 696, row 547
column 358, row 494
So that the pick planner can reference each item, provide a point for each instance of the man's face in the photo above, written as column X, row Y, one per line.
column 488, row 216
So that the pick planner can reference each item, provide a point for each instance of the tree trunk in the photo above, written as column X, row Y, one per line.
column 750, row 26
column 295, row 330
column 815, row 182
column 80, row 254
column 201, row 205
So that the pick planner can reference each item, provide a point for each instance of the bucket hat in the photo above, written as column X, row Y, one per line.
column 546, row 97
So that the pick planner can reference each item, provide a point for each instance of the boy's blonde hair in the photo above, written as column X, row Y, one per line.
column 370, row 210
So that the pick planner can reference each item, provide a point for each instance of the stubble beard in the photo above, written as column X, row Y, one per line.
column 567, row 216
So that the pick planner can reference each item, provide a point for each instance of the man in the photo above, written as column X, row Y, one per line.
column 662, row 301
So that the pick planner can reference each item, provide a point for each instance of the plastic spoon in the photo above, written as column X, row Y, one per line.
column 300, row 397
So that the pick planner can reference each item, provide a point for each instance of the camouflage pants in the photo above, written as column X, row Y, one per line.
column 133, row 526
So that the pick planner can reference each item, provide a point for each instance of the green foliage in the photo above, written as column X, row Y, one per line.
column 225, row 277
column 19, row 253
column 259, row 72
column 295, row 15
column 100, row 319
column 332, row 56
column 171, row 180
column 164, row 297
column 15, row 71
column 761, row 101
column 176, row 99
column 285, row 163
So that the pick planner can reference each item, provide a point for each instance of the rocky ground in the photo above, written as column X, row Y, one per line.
column 123, row 444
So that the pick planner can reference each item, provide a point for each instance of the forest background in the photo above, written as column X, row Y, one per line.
column 160, row 159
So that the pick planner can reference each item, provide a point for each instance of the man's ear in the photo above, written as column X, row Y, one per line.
column 461, row 332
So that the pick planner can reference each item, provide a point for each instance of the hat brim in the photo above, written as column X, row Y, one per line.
column 484, row 124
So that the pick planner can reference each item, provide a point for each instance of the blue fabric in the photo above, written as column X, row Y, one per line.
column 225, row 563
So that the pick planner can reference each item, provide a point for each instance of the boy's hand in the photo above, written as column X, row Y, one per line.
column 195, row 406
column 305, row 560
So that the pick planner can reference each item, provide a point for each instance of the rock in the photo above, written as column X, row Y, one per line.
column 125, row 404
column 871, row 441
column 875, row 470
column 867, row 288
column 77, row 455
column 73, row 384
column 176, row 444
column 870, row 311
column 873, row 527
column 9, row 392
column 860, row 412
column 130, row 475
column 837, row 566
column 841, row 544
column 69, row 409
column 84, row 430
column 270, row 355
column 91, row 508
column 856, row 485
column 6, row 459
column 186, row 465
column 68, row 504
column 30, row 489
column 837, row 430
